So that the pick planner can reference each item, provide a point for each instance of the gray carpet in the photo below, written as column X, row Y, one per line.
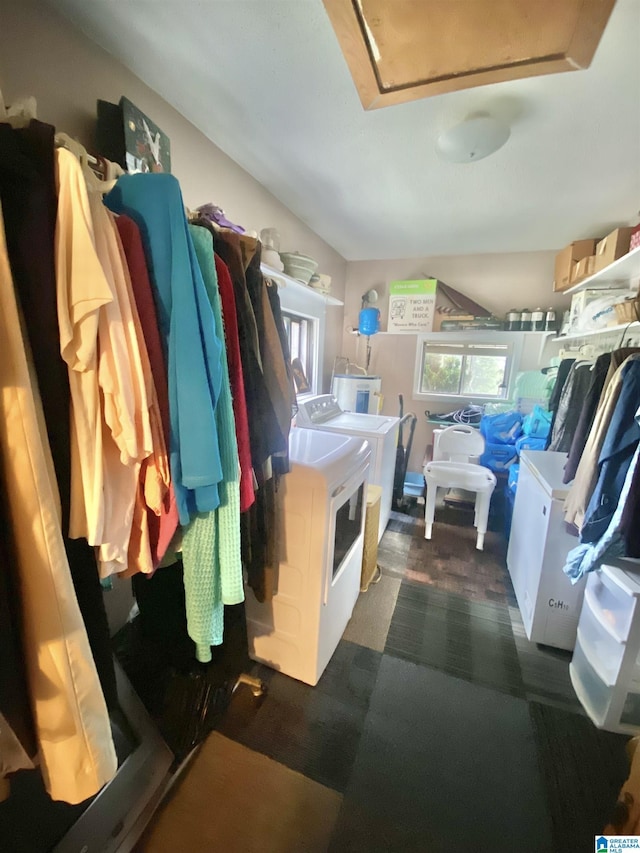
column 443, row 765
column 462, row 637
column 583, row 770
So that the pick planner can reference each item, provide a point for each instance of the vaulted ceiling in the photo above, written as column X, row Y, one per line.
column 267, row 82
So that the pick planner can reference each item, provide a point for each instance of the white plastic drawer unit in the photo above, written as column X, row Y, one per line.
column 612, row 605
column 600, row 646
column 605, row 669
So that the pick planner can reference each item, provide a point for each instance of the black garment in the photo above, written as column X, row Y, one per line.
column 554, row 400
column 263, row 426
column 630, row 521
column 587, row 415
column 29, row 203
column 570, row 406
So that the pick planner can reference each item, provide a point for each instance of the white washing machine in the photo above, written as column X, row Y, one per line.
column 324, row 412
column 320, row 556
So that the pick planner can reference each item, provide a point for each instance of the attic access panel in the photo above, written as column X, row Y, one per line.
column 402, row 50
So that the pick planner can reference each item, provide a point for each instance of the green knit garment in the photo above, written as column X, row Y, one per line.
column 211, row 542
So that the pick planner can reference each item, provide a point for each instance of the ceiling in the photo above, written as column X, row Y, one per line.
column 266, row 81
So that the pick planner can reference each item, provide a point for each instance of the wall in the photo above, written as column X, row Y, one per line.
column 498, row 282
column 42, row 54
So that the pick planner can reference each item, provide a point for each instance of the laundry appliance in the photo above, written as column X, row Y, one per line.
column 321, row 543
column 325, row 413
column 357, row 393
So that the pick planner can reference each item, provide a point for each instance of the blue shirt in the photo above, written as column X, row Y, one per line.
column 187, row 328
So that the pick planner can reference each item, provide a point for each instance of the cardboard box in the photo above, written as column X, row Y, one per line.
column 612, row 247
column 567, row 258
column 583, row 269
column 635, row 238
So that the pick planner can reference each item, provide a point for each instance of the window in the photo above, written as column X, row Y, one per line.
column 302, row 336
column 452, row 366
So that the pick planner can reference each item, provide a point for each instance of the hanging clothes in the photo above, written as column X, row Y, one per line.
column 587, row 414
column 556, row 393
column 276, row 376
column 288, row 388
column 579, row 495
column 193, row 351
column 570, row 406
column 265, row 437
column 260, row 525
column 236, row 375
column 77, row 756
column 82, row 291
column 127, row 438
column 629, row 527
column 618, row 448
column 15, row 705
column 29, row 198
column 162, row 525
column 211, row 555
column 589, row 556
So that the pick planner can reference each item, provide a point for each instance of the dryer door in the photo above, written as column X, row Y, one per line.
column 346, row 525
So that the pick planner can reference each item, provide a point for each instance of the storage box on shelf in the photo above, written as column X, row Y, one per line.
column 612, row 247
column 605, row 669
column 583, row 268
column 566, row 259
column 624, row 271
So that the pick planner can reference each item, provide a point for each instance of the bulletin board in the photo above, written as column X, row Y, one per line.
column 412, row 305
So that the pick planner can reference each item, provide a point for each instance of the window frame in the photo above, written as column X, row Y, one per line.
column 514, row 353
column 313, row 348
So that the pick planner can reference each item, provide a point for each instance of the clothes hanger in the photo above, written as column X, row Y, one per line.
column 95, row 179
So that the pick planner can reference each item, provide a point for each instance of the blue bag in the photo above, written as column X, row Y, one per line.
column 499, row 457
column 530, row 442
column 537, row 424
column 503, row 428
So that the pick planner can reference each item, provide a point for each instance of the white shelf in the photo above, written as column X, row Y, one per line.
column 574, row 336
column 287, row 281
column 470, row 333
column 619, row 272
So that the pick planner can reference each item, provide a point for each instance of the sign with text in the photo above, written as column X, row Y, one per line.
column 412, row 305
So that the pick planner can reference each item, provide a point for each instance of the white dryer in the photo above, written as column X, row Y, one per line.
column 324, row 413
column 320, row 556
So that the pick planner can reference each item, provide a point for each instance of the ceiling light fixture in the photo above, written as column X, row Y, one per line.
column 473, row 139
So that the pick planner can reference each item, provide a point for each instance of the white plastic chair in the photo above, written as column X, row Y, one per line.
column 457, row 444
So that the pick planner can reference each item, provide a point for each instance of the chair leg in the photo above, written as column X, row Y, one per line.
column 483, row 501
column 429, row 509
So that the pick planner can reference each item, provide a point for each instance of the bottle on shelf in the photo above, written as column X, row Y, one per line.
column 512, row 323
column 525, row 320
column 537, row 320
column 550, row 321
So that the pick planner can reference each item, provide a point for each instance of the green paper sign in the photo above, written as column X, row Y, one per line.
column 412, row 305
